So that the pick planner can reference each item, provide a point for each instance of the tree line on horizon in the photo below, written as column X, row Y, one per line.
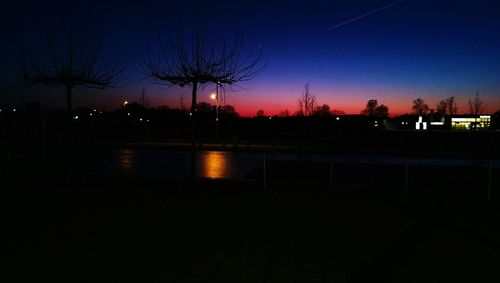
column 448, row 106
column 307, row 105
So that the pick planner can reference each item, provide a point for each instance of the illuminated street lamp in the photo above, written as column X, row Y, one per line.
column 215, row 96
column 125, row 103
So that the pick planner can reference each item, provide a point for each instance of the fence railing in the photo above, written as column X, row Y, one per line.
column 406, row 165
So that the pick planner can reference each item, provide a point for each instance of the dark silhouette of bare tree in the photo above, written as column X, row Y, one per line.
column 370, row 107
column 451, row 105
column 447, row 106
column 203, row 59
column 441, row 107
column 284, row 113
column 476, row 105
column 382, row 111
column 373, row 109
column 420, row 107
column 75, row 60
column 323, row 110
column 306, row 102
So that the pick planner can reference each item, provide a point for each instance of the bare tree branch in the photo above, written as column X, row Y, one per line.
column 420, row 107
column 476, row 105
column 203, row 59
column 74, row 59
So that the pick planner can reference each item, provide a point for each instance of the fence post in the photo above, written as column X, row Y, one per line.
column 331, row 171
column 406, row 179
column 7, row 159
column 490, row 173
column 44, row 142
column 264, row 168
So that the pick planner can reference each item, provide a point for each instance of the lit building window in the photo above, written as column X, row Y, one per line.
column 471, row 123
column 420, row 125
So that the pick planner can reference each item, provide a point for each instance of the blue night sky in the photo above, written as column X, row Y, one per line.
column 410, row 49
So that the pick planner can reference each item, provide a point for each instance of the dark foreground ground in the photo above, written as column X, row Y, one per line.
column 225, row 231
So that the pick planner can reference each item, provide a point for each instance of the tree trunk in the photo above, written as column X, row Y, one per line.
column 193, row 112
column 193, row 115
column 193, row 98
column 69, row 116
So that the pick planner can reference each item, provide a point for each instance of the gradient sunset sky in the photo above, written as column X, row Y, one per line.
column 397, row 52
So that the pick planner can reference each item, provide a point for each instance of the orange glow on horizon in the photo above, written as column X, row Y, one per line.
column 349, row 100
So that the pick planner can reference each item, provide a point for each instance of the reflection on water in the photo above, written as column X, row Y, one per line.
column 221, row 164
column 127, row 159
column 215, row 164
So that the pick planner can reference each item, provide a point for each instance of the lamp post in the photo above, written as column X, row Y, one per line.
column 215, row 96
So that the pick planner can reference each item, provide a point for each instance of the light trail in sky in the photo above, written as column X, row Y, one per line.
column 364, row 15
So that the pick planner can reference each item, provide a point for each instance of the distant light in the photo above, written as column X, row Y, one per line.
column 90, row 114
column 100, row 112
column 95, row 110
column 140, row 119
column 270, row 117
column 484, row 116
column 14, row 110
column 190, row 113
column 213, row 96
column 402, row 123
column 76, row 117
column 437, row 123
column 420, row 124
column 0, row 109
column 125, row 103
column 147, row 120
column 338, row 118
column 128, row 114
column 463, row 119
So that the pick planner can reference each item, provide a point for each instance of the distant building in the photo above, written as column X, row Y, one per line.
column 420, row 124
column 436, row 122
column 470, row 122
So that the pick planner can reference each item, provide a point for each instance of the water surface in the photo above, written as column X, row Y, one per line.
column 227, row 164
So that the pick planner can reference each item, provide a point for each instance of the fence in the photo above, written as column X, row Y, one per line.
column 275, row 168
column 478, row 174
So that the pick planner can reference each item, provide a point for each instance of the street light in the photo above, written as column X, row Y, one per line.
column 125, row 103
column 215, row 96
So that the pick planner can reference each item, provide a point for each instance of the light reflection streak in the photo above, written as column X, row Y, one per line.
column 127, row 159
column 215, row 164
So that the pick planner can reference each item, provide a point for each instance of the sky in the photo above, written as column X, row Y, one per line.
column 392, row 51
